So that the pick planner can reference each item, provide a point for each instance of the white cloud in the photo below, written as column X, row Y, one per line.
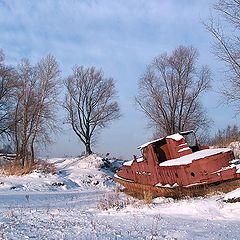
column 119, row 36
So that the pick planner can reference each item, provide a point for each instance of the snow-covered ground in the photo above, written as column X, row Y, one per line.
column 81, row 201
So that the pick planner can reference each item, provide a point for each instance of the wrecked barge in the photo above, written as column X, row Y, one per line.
column 171, row 167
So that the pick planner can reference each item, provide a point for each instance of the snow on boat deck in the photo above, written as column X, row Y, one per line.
column 184, row 149
column 184, row 160
column 129, row 163
column 176, row 137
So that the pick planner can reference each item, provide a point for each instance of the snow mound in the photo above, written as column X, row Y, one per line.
column 72, row 173
column 89, row 162
column 233, row 196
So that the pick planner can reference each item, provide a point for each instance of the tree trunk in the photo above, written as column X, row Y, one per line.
column 88, row 148
column 32, row 154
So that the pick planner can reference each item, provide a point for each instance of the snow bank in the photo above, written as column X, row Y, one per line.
column 36, row 209
column 233, row 196
column 76, row 215
column 72, row 173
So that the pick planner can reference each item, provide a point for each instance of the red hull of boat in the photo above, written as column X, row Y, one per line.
column 169, row 167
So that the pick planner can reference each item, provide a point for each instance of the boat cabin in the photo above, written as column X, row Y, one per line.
column 170, row 147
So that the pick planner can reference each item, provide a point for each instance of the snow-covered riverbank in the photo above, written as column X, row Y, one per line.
column 82, row 202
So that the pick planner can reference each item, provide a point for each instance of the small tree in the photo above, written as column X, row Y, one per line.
column 169, row 92
column 90, row 103
column 226, row 32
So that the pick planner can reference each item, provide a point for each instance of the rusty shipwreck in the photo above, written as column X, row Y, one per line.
column 171, row 167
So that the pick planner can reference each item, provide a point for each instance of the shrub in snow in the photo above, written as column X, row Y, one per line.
column 114, row 201
column 14, row 167
column 45, row 167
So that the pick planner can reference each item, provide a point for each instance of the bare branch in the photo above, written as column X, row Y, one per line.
column 227, row 46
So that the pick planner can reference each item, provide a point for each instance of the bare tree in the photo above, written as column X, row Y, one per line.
column 7, row 88
column 227, row 45
column 35, row 109
column 23, row 113
column 169, row 92
column 47, row 101
column 90, row 103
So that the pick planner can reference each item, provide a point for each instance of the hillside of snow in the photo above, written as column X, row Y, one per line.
column 72, row 174
column 82, row 201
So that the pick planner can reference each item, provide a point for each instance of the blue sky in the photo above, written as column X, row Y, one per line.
column 121, row 37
